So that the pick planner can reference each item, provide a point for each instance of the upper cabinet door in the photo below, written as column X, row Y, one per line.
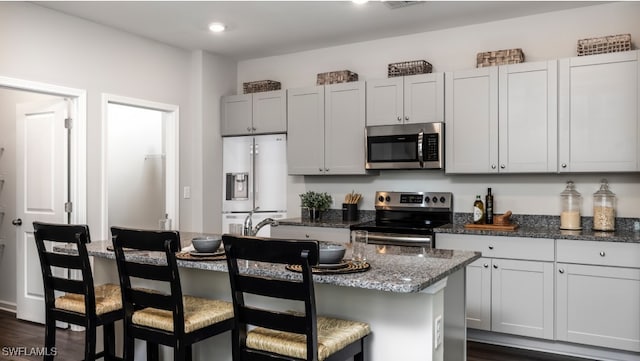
column 598, row 113
column 385, row 101
column 270, row 112
column 528, row 117
column 344, row 128
column 305, row 138
column 471, row 121
column 236, row 115
column 424, row 98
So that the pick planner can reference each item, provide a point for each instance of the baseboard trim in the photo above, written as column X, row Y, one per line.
column 557, row 347
column 8, row 306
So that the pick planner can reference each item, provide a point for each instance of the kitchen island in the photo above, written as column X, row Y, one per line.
column 401, row 296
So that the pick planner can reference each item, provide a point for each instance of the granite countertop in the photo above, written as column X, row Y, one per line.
column 400, row 272
column 531, row 226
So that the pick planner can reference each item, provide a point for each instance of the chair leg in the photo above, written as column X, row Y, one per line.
column 182, row 352
column 109, row 341
column 360, row 355
column 49, row 338
column 90, row 341
column 152, row 351
column 129, row 349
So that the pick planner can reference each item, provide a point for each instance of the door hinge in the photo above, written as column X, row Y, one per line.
column 68, row 207
column 68, row 123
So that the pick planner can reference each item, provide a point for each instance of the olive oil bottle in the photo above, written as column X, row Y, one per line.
column 478, row 211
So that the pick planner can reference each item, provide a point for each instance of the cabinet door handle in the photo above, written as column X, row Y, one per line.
column 399, row 119
column 306, row 236
column 502, row 166
column 495, row 266
column 602, row 254
column 406, row 118
column 561, row 270
column 320, row 169
column 486, row 265
column 564, row 165
column 248, row 129
column 490, row 247
column 326, row 169
column 493, row 166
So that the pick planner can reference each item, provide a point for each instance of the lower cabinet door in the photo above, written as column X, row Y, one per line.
column 598, row 306
column 522, row 296
column 479, row 294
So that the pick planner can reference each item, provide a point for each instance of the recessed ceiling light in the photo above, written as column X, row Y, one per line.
column 360, row 2
column 217, row 27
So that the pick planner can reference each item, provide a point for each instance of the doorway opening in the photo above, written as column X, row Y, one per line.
column 140, row 168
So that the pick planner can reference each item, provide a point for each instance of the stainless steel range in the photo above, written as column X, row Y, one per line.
column 408, row 218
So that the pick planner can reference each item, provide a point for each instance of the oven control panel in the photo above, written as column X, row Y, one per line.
column 439, row 200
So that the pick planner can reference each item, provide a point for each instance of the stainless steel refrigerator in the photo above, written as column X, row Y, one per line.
column 254, row 177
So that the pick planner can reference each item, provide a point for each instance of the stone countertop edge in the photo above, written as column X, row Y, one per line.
column 388, row 273
column 546, row 232
column 332, row 223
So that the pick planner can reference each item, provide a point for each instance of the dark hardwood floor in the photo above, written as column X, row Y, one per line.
column 21, row 341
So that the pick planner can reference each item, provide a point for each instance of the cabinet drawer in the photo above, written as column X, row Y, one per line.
column 599, row 253
column 340, row 235
column 538, row 249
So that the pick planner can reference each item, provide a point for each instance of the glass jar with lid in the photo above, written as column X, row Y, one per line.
column 604, row 208
column 571, row 204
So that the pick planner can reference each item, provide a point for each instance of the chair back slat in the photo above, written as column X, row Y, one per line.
column 283, row 321
column 280, row 251
column 64, row 260
column 67, row 285
column 149, row 271
column 167, row 242
column 143, row 299
column 270, row 287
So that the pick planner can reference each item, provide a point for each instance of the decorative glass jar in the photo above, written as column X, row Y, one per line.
column 604, row 208
column 571, row 204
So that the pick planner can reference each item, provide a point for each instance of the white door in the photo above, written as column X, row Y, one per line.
column 41, row 189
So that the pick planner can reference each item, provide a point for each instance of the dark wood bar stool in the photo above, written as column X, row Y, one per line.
column 285, row 335
column 161, row 318
column 83, row 304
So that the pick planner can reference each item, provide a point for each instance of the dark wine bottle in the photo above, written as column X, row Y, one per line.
column 489, row 207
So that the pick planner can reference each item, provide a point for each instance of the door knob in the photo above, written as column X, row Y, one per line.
column 17, row 222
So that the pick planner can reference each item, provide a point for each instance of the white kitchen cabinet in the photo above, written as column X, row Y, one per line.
column 598, row 294
column 256, row 113
column 509, row 289
column 326, row 130
column 339, row 235
column 599, row 113
column 502, row 119
column 406, row 99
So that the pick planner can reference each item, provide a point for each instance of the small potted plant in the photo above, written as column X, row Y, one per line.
column 315, row 202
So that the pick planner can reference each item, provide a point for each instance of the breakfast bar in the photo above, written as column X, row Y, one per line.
column 413, row 302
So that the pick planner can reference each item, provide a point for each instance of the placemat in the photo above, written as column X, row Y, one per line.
column 186, row 256
column 110, row 248
column 350, row 267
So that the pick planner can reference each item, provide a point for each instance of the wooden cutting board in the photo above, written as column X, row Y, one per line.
column 492, row 227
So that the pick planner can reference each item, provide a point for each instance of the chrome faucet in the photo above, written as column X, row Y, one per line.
column 247, row 227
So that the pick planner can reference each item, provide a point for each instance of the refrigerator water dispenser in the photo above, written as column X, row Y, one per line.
column 237, row 186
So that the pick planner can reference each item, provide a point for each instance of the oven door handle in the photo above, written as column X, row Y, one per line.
column 420, row 145
column 387, row 239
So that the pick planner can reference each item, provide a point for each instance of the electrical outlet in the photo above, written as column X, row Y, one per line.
column 437, row 332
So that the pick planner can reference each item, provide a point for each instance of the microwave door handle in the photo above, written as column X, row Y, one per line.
column 420, row 157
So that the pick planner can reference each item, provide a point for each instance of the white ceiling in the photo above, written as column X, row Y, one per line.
column 265, row 28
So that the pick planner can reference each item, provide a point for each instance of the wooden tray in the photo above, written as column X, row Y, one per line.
column 186, row 256
column 492, row 227
column 350, row 267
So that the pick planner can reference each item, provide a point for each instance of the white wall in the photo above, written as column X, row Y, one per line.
column 546, row 36
column 42, row 45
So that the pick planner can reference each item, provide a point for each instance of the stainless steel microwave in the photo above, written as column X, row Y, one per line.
column 409, row 146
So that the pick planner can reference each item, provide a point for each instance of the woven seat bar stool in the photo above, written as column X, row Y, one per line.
column 281, row 335
column 151, row 314
column 83, row 304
